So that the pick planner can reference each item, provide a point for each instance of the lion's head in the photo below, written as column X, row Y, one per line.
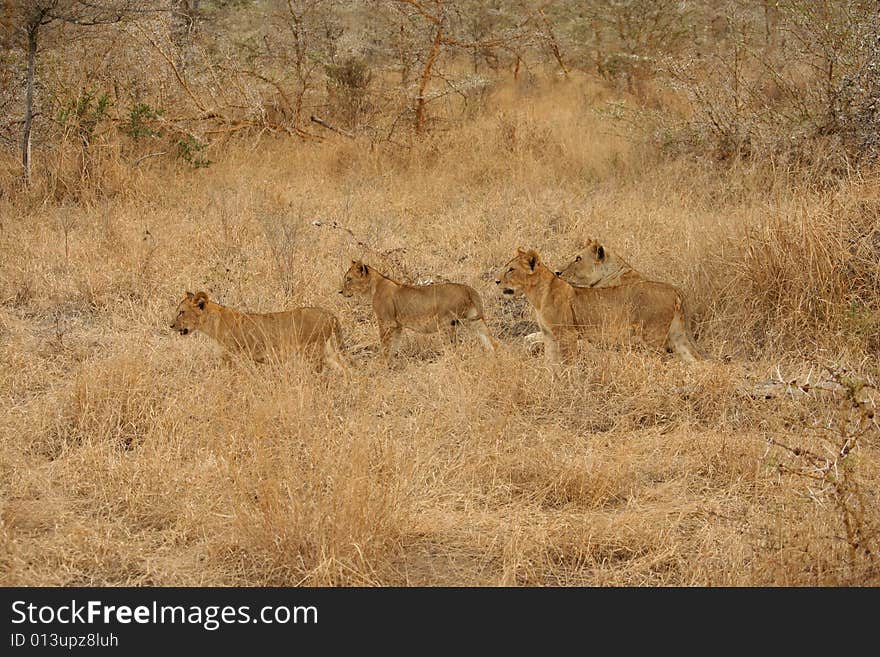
column 190, row 313
column 590, row 266
column 356, row 279
column 518, row 273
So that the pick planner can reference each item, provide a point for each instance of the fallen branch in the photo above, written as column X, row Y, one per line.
column 147, row 156
column 856, row 423
column 321, row 122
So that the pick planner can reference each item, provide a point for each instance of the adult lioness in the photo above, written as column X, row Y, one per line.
column 311, row 332
column 651, row 309
column 421, row 308
column 595, row 266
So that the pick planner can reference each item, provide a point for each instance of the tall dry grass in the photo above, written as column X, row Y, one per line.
column 131, row 455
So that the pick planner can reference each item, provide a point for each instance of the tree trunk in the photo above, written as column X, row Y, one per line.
column 29, row 102
column 426, row 76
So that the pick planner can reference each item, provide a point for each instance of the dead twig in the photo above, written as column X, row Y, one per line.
column 145, row 157
column 321, row 122
column 856, row 423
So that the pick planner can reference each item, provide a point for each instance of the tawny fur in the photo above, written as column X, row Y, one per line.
column 595, row 266
column 313, row 333
column 647, row 309
column 421, row 308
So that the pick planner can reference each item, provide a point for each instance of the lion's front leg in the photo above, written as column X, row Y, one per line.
column 567, row 342
column 390, row 336
column 551, row 346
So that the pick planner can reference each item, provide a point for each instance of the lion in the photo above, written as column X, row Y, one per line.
column 594, row 266
column 314, row 333
column 651, row 309
column 421, row 308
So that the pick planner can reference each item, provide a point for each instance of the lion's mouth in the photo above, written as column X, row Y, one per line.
column 507, row 290
column 184, row 331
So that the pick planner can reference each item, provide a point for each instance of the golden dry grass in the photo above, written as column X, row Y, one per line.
column 133, row 456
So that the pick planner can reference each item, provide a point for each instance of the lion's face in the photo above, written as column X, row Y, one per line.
column 190, row 313
column 518, row 273
column 588, row 267
column 356, row 279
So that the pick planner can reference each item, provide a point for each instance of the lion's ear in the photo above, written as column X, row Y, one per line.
column 532, row 255
column 520, row 251
column 201, row 298
column 189, row 295
column 362, row 268
column 600, row 252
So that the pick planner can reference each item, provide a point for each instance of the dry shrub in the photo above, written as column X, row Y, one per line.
column 808, row 271
column 333, row 515
column 116, row 406
column 798, row 91
column 348, row 85
column 282, row 225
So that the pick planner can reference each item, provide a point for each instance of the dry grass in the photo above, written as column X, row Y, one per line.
column 132, row 456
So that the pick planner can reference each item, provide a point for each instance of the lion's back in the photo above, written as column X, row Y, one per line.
column 436, row 300
column 299, row 327
column 312, row 324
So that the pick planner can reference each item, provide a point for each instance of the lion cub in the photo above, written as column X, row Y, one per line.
column 311, row 332
column 650, row 309
column 421, row 308
column 594, row 266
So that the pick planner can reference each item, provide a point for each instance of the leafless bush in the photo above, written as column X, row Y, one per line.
column 857, row 101
column 828, row 461
column 281, row 226
column 622, row 41
column 803, row 95
column 348, row 85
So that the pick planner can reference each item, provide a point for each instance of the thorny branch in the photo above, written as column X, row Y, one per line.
column 856, row 423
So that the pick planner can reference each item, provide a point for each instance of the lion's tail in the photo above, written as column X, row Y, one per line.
column 334, row 347
column 336, row 334
column 690, row 345
column 476, row 310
